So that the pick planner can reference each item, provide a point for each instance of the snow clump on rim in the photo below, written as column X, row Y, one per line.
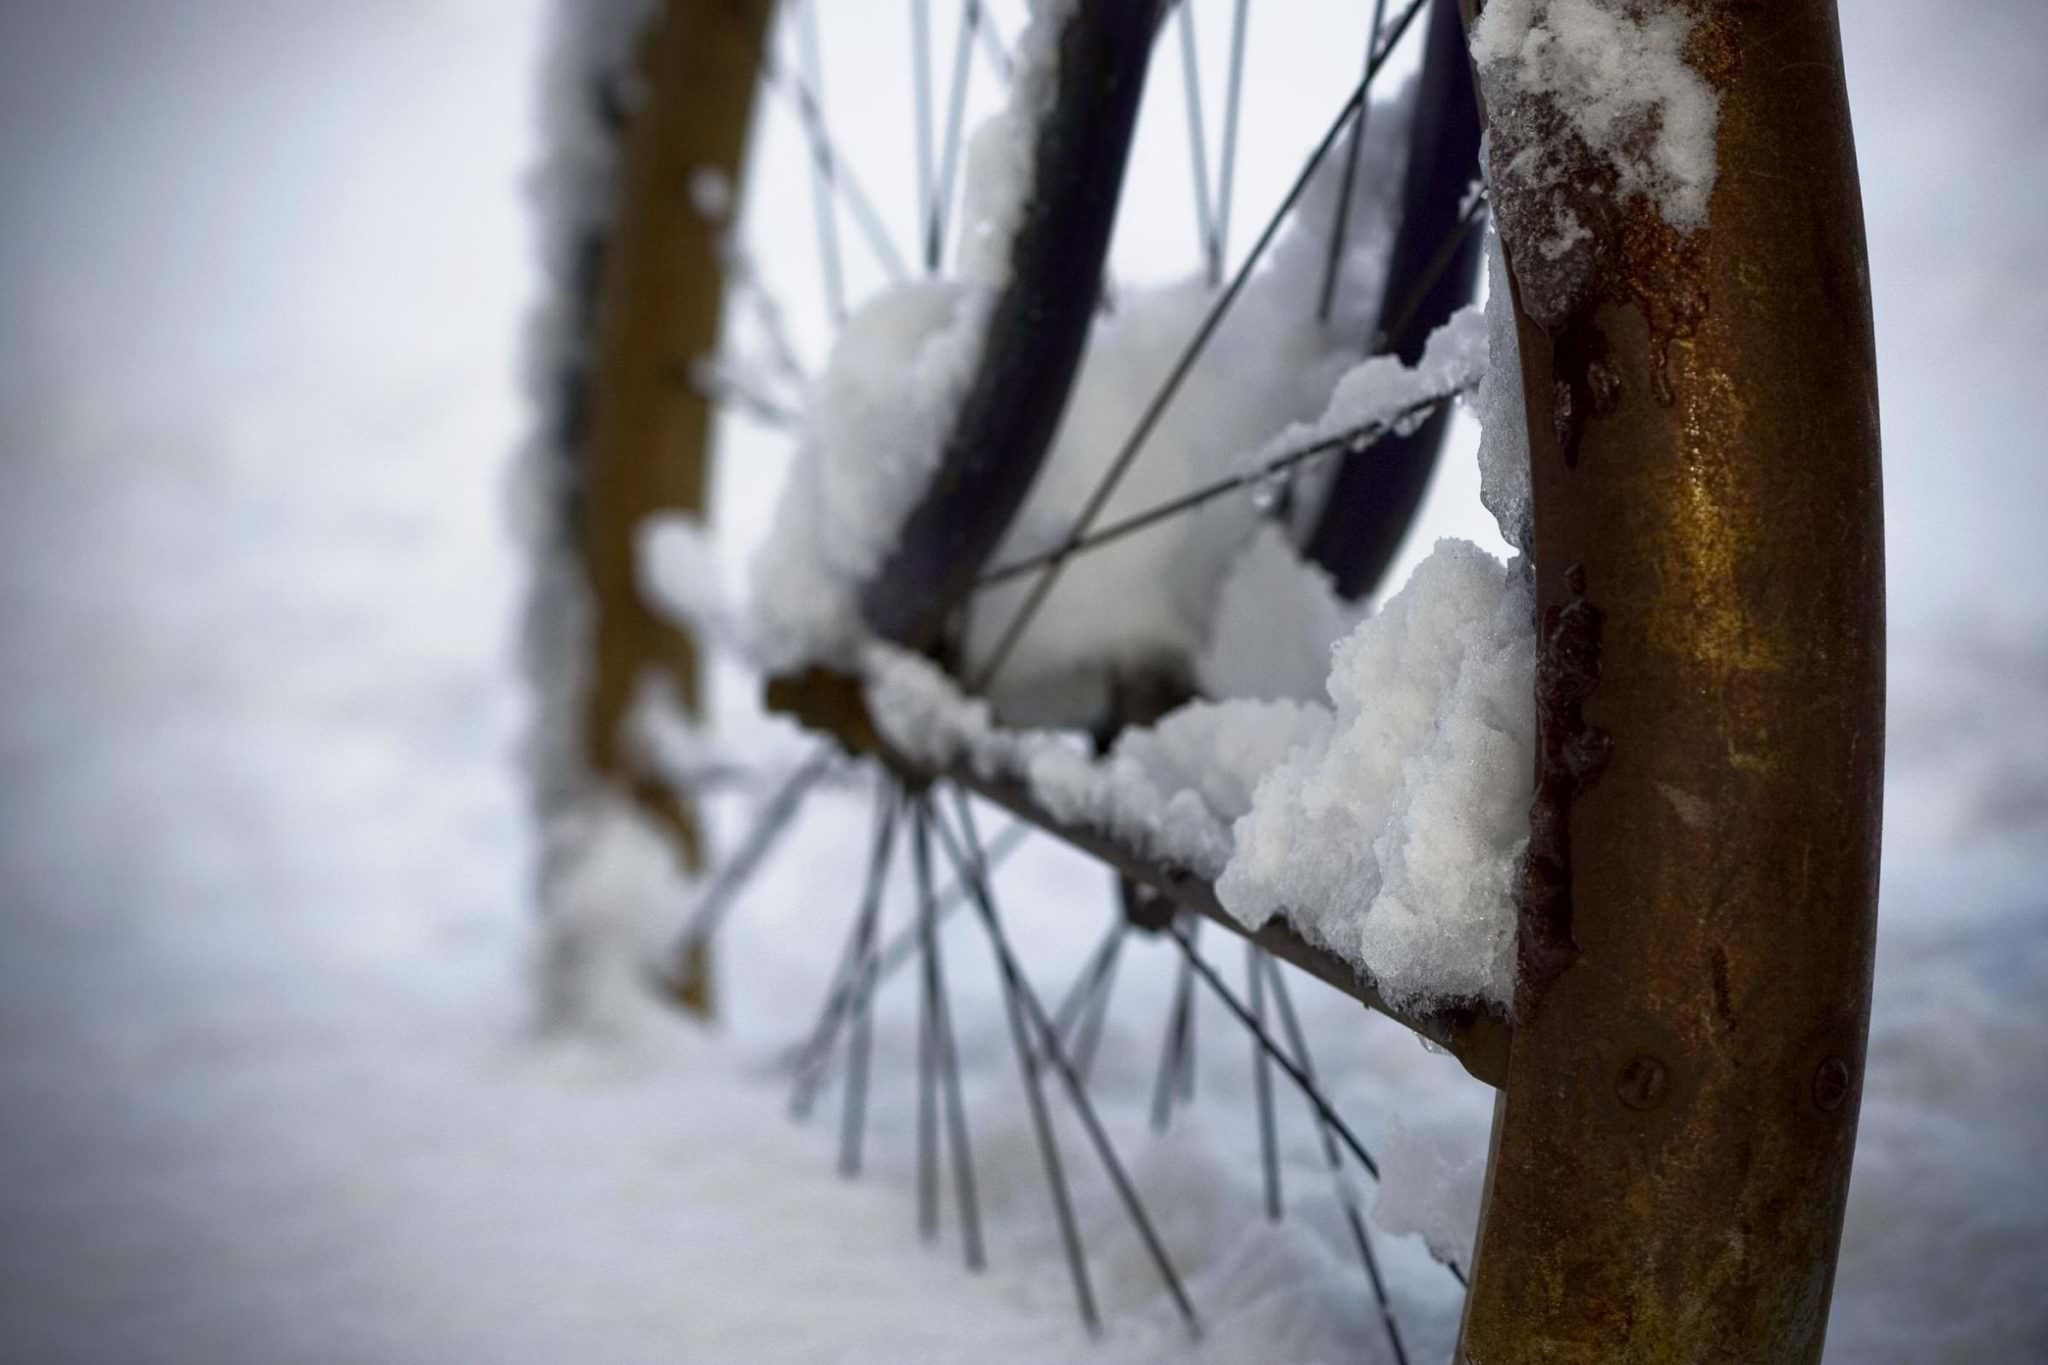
column 1593, row 106
column 875, row 428
column 1386, row 824
column 1396, row 843
column 1389, row 830
column 1169, row 791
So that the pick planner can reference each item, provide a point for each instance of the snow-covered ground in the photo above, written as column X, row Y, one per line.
column 267, row 1085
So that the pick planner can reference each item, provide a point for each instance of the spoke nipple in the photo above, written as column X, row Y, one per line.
column 1642, row 1083
column 1831, row 1084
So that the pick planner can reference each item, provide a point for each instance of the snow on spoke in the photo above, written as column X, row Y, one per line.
column 1386, row 830
column 1377, row 397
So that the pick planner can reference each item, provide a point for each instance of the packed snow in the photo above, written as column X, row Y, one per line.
column 269, row 1088
column 1396, row 842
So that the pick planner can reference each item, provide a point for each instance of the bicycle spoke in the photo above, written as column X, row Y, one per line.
column 927, row 1037
column 1262, row 1081
column 921, row 87
column 1183, row 364
column 971, row 866
column 814, row 1059
column 837, row 175
column 719, row 897
column 956, row 110
column 1355, row 441
column 992, row 43
column 1080, row 997
column 1469, row 217
column 1198, row 137
column 1041, row 1122
column 1342, row 230
column 1353, row 1217
column 1079, row 1019
column 946, row 1047
column 1187, row 1029
column 1302, row 1082
column 1226, row 172
column 824, row 206
column 743, row 277
column 860, row 1047
column 1172, row 1049
column 1090, row 1039
column 810, row 1071
column 903, row 946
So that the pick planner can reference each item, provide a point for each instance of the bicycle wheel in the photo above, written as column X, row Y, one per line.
column 1641, row 330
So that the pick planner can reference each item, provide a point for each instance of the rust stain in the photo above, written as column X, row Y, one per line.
column 1662, row 272
column 1570, row 756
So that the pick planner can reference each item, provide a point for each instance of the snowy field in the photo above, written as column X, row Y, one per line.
column 268, row 1086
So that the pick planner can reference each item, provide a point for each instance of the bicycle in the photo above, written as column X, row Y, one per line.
column 1678, row 1061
